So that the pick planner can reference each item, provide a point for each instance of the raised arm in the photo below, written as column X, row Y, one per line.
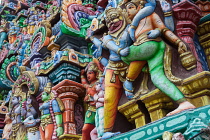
column 83, row 79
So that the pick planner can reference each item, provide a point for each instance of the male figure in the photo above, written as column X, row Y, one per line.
column 117, row 39
column 118, row 42
column 51, row 107
column 90, row 85
column 149, row 46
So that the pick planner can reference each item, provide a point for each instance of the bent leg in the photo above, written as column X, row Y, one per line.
column 144, row 51
column 134, row 70
column 41, row 133
column 160, row 80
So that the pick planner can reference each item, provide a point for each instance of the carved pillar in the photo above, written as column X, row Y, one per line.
column 69, row 99
column 133, row 113
column 69, row 92
column 157, row 103
column 204, row 37
column 204, row 6
column 188, row 16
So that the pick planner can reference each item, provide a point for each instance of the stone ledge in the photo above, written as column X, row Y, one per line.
column 175, row 123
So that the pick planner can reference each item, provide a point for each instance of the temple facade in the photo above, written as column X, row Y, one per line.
column 106, row 69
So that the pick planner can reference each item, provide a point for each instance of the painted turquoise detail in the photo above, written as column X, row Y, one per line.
column 181, row 126
column 161, row 127
column 149, row 131
column 203, row 115
column 195, row 125
column 155, row 129
column 178, row 120
column 138, row 135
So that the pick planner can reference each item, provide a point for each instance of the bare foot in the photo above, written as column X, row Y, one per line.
column 182, row 106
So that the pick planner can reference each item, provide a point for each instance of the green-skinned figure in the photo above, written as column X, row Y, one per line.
column 51, row 115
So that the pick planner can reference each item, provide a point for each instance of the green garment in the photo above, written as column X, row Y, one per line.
column 90, row 117
column 153, row 53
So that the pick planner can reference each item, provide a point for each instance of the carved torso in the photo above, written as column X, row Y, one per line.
column 45, row 108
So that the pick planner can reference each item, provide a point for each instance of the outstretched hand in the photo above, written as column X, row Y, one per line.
column 152, row 34
column 125, row 51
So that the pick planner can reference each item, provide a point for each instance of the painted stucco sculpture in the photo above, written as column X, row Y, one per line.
column 144, row 47
column 51, row 116
column 92, row 71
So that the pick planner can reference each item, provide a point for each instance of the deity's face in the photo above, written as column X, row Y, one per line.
column 12, row 38
column 45, row 96
column 15, row 100
column 132, row 10
column 91, row 76
column 114, row 21
column 3, row 22
column 43, row 16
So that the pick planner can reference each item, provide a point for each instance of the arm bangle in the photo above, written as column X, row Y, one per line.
column 167, row 14
column 118, row 51
column 164, row 30
column 99, row 58
column 132, row 26
column 177, row 42
column 59, row 125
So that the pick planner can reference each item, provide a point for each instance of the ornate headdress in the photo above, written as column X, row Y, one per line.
column 137, row 3
column 92, row 67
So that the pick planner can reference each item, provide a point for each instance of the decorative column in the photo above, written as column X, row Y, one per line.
column 157, row 103
column 204, row 36
column 204, row 6
column 188, row 16
column 69, row 92
column 133, row 113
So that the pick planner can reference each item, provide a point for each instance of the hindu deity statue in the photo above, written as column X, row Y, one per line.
column 98, row 131
column 90, row 85
column 145, row 31
column 51, row 114
column 148, row 46
column 13, row 31
column 3, row 32
column 32, row 21
column 116, row 69
column 24, row 29
column 7, row 128
column 18, row 130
